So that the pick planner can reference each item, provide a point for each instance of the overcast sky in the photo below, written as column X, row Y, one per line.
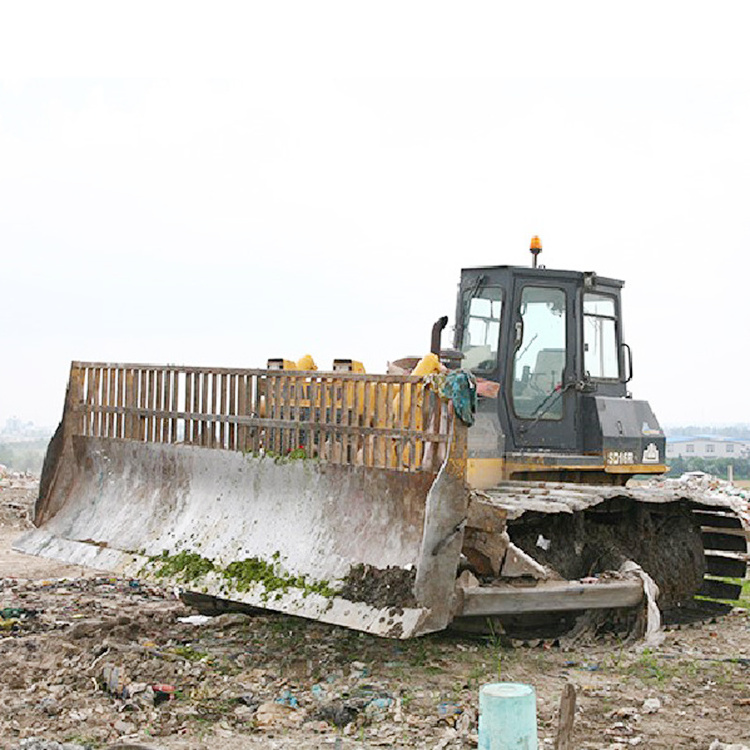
column 221, row 183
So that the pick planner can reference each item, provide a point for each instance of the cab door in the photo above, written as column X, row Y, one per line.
column 541, row 399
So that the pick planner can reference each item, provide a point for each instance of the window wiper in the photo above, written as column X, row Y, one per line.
column 479, row 282
column 526, row 348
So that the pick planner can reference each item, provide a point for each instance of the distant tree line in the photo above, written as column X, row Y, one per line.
column 24, row 456
column 716, row 466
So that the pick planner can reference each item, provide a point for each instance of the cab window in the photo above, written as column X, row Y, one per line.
column 600, row 353
column 481, row 329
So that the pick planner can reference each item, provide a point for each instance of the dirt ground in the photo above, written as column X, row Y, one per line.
column 91, row 660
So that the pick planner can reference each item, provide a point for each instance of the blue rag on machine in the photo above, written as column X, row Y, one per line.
column 461, row 388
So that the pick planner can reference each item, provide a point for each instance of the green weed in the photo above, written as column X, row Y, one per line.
column 245, row 573
column 240, row 575
column 477, row 676
column 184, row 566
column 648, row 667
column 419, row 655
column 189, row 653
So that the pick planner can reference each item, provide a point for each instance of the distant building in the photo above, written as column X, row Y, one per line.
column 18, row 431
column 707, row 446
column 14, row 426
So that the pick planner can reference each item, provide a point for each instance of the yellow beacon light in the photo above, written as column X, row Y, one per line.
column 536, row 248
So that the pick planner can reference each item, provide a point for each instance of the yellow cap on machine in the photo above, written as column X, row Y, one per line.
column 306, row 362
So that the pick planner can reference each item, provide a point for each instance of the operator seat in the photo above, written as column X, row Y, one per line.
column 547, row 373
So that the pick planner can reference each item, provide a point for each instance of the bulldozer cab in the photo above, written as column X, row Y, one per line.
column 550, row 339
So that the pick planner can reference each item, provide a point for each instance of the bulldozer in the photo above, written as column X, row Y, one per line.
column 485, row 486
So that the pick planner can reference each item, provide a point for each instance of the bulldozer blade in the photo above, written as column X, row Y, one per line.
column 338, row 543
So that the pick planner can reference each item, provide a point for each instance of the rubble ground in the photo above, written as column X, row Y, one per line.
column 91, row 660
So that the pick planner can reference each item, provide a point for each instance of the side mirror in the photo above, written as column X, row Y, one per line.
column 629, row 368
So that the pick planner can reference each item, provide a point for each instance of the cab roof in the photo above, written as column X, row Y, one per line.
column 546, row 273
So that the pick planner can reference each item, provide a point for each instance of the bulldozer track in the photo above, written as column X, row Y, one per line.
column 724, row 520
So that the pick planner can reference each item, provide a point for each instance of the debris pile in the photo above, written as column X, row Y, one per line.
column 90, row 661
column 698, row 482
column 17, row 491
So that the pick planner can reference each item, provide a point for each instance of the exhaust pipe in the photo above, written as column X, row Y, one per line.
column 437, row 330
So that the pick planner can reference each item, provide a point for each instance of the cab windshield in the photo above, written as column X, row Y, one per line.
column 539, row 360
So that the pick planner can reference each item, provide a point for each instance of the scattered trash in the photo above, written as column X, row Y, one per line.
column 162, row 693
column 91, row 656
column 124, row 727
column 624, row 712
column 272, row 715
column 35, row 743
column 358, row 670
column 139, row 690
column 382, row 703
column 619, row 728
column 245, row 712
column 194, row 619
column 11, row 618
column 228, row 620
column 16, row 613
column 653, row 635
column 587, row 666
column 114, row 680
column 449, row 713
column 287, row 699
column 338, row 714
column 50, row 706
